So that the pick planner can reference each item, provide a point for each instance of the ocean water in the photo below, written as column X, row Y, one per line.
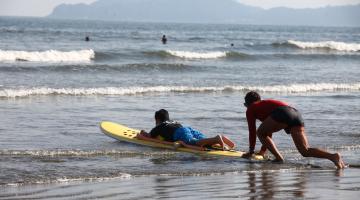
column 55, row 89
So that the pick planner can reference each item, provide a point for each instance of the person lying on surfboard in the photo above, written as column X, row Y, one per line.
column 275, row 116
column 173, row 131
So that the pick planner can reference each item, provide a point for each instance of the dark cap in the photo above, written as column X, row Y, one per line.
column 162, row 115
column 251, row 97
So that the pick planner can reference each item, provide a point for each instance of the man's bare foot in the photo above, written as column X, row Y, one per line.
column 338, row 161
column 247, row 155
column 228, row 142
column 220, row 141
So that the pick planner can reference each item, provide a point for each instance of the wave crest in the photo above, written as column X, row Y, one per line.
column 294, row 88
column 197, row 55
column 48, row 56
column 331, row 45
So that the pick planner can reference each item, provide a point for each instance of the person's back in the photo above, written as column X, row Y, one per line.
column 166, row 130
column 262, row 109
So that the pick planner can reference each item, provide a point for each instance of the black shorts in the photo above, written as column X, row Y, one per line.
column 287, row 115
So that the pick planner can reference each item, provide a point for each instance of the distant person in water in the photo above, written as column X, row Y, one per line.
column 173, row 131
column 232, row 44
column 275, row 116
column 87, row 38
column 164, row 39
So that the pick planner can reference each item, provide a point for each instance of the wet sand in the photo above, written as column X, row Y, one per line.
column 267, row 184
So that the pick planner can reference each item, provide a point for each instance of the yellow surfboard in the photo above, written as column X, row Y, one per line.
column 123, row 133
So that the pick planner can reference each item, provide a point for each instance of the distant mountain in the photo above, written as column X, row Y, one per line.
column 207, row 11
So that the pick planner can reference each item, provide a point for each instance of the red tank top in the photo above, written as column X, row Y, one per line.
column 259, row 110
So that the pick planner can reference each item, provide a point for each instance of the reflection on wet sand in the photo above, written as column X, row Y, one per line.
column 266, row 184
column 293, row 185
column 261, row 186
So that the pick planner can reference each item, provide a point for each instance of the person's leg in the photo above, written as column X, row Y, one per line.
column 211, row 141
column 301, row 143
column 192, row 137
column 264, row 133
column 220, row 138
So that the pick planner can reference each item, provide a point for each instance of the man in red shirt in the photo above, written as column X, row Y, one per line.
column 275, row 116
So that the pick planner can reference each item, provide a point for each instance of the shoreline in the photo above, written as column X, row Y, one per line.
column 294, row 184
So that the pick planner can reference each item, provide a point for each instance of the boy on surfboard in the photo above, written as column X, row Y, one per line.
column 275, row 116
column 173, row 131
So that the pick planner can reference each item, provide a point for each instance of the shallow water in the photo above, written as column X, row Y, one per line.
column 51, row 106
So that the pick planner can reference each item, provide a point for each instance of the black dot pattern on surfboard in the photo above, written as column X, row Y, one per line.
column 129, row 133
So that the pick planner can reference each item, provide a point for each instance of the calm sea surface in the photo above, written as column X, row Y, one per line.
column 55, row 89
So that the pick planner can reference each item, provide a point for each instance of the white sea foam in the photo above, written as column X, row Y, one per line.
column 90, row 179
column 197, row 55
column 66, row 180
column 303, row 88
column 78, row 153
column 339, row 46
column 293, row 88
column 48, row 56
column 348, row 147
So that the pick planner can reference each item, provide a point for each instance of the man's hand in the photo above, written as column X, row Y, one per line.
column 144, row 133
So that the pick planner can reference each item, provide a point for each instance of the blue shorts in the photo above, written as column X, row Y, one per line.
column 188, row 135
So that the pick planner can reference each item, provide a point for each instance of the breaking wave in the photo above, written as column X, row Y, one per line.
column 48, row 56
column 293, row 88
column 197, row 55
column 328, row 45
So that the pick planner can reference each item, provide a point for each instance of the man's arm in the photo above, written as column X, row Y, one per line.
column 252, row 133
column 155, row 132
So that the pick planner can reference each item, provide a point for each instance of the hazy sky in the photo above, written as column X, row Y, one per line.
column 32, row 7
column 298, row 3
column 44, row 7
